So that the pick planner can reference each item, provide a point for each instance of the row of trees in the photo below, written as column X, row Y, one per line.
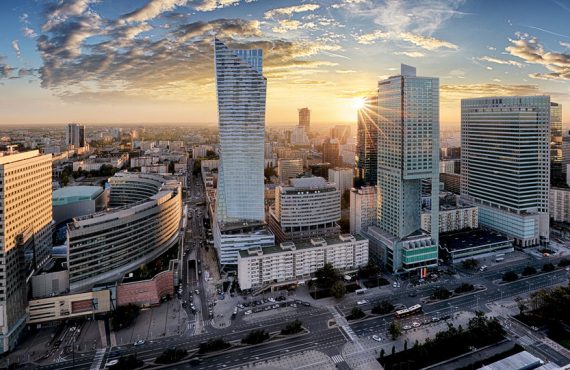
column 511, row 276
column 481, row 331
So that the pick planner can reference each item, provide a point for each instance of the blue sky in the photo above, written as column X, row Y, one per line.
column 101, row 61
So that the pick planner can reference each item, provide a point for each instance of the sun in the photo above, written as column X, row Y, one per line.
column 358, row 103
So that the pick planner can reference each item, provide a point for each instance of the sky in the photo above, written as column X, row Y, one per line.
column 150, row 61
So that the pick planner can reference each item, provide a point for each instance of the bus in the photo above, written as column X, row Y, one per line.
column 361, row 291
column 413, row 310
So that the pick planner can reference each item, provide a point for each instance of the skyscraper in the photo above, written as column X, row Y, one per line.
column 505, row 164
column 305, row 118
column 75, row 135
column 241, row 91
column 25, row 233
column 555, row 140
column 331, row 152
column 408, row 152
column 367, row 141
column 240, row 211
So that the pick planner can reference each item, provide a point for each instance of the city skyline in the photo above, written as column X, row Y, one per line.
column 98, row 62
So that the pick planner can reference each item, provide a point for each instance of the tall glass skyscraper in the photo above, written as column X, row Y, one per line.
column 241, row 90
column 505, row 164
column 367, row 141
column 408, row 152
column 556, row 140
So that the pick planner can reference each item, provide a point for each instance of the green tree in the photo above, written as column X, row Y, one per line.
column 470, row 264
column 171, row 355
column 464, row 288
column 564, row 262
column 327, row 276
column 356, row 313
column 368, row 271
column 440, row 293
column 255, row 337
column 521, row 304
column 338, row 289
column 382, row 352
column 528, row 271
column 393, row 349
column 510, row 276
column 395, row 330
column 293, row 327
column 383, row 308
column 406, row 345
column 216, row 344
column 127, row 363
column 547, row 267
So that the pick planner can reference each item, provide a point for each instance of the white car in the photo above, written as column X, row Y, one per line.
column 248, row 312
column 416, row 324
column 407, row 327
column 271, row 299
column 377, row 338
column 139, row 342
column 360, row 303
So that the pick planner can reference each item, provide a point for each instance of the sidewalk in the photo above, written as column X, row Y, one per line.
column 165, row 320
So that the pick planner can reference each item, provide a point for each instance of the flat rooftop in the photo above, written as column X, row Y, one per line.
column 470, row 238
column 330, row 241
column 73, row 194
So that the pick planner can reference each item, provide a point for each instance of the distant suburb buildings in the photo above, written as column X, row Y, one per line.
column 240, row 210
column 25, row 234
column 75, row 135
column 290, row 261
column 305, row 119
column 505, row 164
column 408, row 152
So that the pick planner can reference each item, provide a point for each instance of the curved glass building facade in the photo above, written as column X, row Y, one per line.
column 106, row 245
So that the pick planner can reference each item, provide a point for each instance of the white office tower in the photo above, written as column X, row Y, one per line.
column 240, row 210
column 289, row 169
column 505, row 164
column 362, row 208
column 241, row 90
column 408, row 152
column 75, row 135
column 25, row 234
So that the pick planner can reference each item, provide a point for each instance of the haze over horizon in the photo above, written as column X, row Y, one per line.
column 122, row 62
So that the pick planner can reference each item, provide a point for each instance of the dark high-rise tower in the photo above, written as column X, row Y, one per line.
column 367, row 141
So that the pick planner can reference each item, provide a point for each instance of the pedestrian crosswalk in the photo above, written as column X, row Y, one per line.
column 96, row 365
column 337, row 359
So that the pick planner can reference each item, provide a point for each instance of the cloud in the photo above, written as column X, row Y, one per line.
column 16, row 47
column 453, row 93
column 410, row 54
column 345, row 71
column 209, row 5
column 29, row 33
column 152, row 9
column 531, row 51
column 56, row 14
column 501, row 61
column 424, row 42
column 288, row 11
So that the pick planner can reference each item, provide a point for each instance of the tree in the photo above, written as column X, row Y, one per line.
column 528, row 271
column 440, row 293
column 547, row 267
column 255, row 337
column 124, row 316
column 406, row 345
column 212, row 345
column 293, row 327
column 382, row 352
column 510, row 276
column 521, row 304
column 127, row 363
column 395, row 330
column 470, row 264
column 463, row 288
column 269, row 172
column 327, row 276
column 564, row 262
column 383, row 308
column 368, row 271
column 356, row 313
column 393, row 349
column 170, row 356
column 338, row 289
column 171, row 167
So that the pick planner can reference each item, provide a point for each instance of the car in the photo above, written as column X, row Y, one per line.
column 435, row 319
column 257, row 310
column 240, row 306
column 306, row 304
column 294, row 305
column 197, row 292
column 140, row 342
column 377, row 338
column 267, row 308
column 298, row 301
column 416, row 324
column 534, row 328
column 276, row 306
column 248, row 312
column 360, row 303
column 111, row 363
column 426, row 321
column 407, row 327
column 272, row 300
